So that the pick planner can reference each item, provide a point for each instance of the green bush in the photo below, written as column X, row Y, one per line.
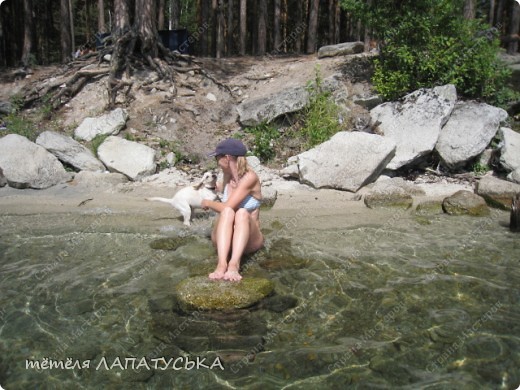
column 97, row 141
column 426, row 43
column 321, row 116
column 18, row 124
column 265, row 136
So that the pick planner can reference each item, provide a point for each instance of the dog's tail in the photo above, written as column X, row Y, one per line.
column 164, row 200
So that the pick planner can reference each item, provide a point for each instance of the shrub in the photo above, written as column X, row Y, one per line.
column 426, row 43
column 265, row 136
column 321, row 116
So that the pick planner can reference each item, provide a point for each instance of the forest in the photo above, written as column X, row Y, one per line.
column 45, row 31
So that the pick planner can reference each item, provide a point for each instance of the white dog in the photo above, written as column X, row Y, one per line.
column 189, row 198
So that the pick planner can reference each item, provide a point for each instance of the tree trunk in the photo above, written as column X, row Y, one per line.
column 66, row 39
column 220, row 21
column 469, row 9
column 160, row 15
column 262, row 27
column 337, row 23
column 491, row 20
column 28, row 32
column 230, row 35
column 121, row 18
column 243, row 26
column 313, row 26
column 512, row 47
column 175, row 15
column 146, row 28
column 277, row 28
column 332, row 14
column 102, row 27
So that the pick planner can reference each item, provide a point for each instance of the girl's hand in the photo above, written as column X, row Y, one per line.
column 204, row 204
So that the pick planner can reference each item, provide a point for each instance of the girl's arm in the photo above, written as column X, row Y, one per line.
column 239, row 194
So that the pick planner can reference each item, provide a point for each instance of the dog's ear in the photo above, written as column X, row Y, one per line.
column 199, row 185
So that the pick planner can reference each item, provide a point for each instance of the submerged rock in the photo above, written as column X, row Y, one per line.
column 497, row 193
column 202, row 293
column 171, row 243
column 465, row 203
column 394, row 192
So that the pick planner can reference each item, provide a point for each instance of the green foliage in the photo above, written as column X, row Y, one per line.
column 97, row 141
column 426, row 43
column 479, row 168
column 265, row 136
column 321, row 114
column 18, row 124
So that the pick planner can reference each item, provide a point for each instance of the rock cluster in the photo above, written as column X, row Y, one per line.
column 393, row 136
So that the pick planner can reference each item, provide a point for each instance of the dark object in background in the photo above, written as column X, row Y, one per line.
column 102, row 40
column 514, row 224
column 176, row 40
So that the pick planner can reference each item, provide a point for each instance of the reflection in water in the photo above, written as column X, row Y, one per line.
column 430, row 302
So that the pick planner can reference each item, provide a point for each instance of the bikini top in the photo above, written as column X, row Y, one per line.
column 250, row 203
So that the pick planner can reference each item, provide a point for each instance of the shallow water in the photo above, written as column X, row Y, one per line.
column 410, row 302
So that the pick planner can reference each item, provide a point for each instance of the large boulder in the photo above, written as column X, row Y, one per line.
column 468, row 132
column 108, row 124
column 341, row 49
column 347, row 161
column 465, row 203
column 3, row 180
column 514, row 176
column 497, row 193
column 510, row 150
column 27, row 165
column 290, row 99
column 90, row 179
column 264, row 109
column 414, row 124
column 202, row 293
column 395, row 192
column 132, row 159
column 69, row 151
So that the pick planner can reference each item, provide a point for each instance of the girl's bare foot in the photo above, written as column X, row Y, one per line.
column 219, row 272
column 232, row 274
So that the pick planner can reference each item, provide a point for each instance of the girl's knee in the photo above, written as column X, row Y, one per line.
column 228, row 212
column 242, row 216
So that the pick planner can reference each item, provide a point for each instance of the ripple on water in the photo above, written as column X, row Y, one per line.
column 399, row 304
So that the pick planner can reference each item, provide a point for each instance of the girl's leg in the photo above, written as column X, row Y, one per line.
column 222, row 236
column 247, row 238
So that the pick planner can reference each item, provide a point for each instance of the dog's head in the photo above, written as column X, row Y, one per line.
column 209, row 181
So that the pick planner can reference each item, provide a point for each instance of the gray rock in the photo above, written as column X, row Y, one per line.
column 266, row 108
column 27, row 165
column 109, row 124
column 415, row 123
column 200, row 292
column 3, row 180
column 255, row 111
column 129, row 158
column 395, row 192
column 465, row 203
column 468, row 132
column 497, row 193
column 91, row 179
column 6, row 108
column 341, row 49
column 514, row 176
column 69, row 151
column 510, row 150
column 347, row 161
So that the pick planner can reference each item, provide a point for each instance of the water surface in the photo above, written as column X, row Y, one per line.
column 404, row 302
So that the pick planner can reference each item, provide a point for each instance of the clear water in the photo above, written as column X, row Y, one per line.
column 408, row 302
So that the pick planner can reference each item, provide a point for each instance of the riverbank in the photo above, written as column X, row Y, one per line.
column 123, row 207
